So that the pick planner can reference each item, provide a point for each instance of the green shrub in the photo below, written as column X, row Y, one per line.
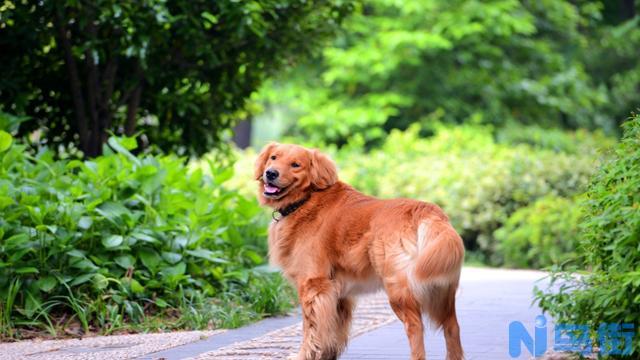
column 558, row 140
column 610, row 233
column 478, row 180
column 539, row 235
column 120, row 237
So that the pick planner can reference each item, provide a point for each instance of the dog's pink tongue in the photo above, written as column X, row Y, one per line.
column 270, row 188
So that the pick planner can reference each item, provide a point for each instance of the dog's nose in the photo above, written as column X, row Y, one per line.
column 271, row 174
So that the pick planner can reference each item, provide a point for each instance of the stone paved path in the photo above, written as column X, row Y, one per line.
column 488, row 300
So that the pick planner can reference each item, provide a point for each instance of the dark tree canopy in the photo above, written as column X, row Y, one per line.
column 179, row 70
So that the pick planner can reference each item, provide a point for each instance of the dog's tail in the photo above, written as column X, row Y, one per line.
column 440, row 252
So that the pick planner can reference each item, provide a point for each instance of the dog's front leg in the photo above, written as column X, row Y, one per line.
column 319, row 300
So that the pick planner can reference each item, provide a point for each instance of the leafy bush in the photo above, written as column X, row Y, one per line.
column 610, row 233
column 572, row 142
column 541, row 234
column 478, row 181
column 121, row 237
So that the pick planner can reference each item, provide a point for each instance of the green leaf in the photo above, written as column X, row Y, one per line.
column 47, row 284
column 83, row 264
column 32, row 304
column 128, row 142
column 11, row 123
column 161, row 303
column 149, row 258
column 180, row 242
column 5, row 201
column 178, row 269
column 5, row 140
column 255, row 258
column 210, row 17
column 112, row 241
column 206, row 254
column 171, row 257
column 100, row 282
column 112, row 210
column 19, row 254
column 16, row 241
column 27, row 270
column 136, row 287
column 125, row 261
column 85, row 222
column 116, row 144
column 81, row 279
column 144, row 237
column 76, row 253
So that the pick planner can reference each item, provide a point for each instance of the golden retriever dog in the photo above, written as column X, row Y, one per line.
column 333, row 243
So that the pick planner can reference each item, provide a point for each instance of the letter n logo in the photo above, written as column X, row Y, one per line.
column 518, row 335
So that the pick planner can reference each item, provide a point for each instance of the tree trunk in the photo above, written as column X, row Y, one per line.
column 132, row 111
column 75, row 84
column 93, row 102
column 242, row 134
column 93, row 93
column 628, row 9
column 133, row 102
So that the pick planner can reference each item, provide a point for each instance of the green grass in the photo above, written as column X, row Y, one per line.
column 85, row 317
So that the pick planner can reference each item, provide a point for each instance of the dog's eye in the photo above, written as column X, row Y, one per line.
column 273, row 157
column 295, row 165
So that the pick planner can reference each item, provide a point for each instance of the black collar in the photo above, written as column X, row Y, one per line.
column 287, row 210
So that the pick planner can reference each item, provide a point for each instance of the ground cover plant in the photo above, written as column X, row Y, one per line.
column 124, row 242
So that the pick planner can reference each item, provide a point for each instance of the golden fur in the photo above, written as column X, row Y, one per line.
column 340, row 243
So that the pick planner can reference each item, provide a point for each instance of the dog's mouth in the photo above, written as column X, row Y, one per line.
column 273, row 191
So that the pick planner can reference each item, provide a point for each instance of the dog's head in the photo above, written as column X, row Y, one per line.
column 287, row 173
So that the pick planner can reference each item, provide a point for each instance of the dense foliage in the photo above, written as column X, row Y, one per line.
column 556, row 63
column 608, row 245
column 542, row 234
column 478, row 180
column 120, row 237
column 178, row 70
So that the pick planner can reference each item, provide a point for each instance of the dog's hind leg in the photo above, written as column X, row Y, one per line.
column 441, row 307
column 345, row 310
column 452, row 337
column 409, row 312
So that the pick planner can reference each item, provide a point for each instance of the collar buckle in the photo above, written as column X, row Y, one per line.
column 279, row 214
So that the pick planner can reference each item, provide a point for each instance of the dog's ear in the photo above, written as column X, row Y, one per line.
column 262, row 160
column 323, row 170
